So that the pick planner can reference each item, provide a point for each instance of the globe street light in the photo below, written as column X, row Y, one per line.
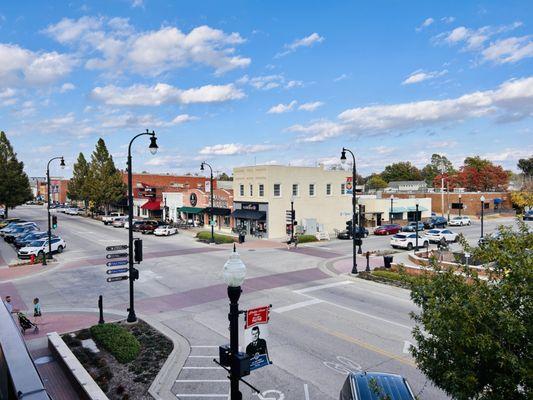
column 233, row 274
column 62, row 165
column 354, row 206
column 211, row 222
column 460, row 205
column 132, row 274
column 482, row 198
column 391, row 208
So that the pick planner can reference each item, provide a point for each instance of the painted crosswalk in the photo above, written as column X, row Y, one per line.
column 200, row 377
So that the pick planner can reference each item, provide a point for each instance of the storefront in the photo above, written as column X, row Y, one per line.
column 191, row 215
column 251, row 217
column 197, row 209
column 153, row 208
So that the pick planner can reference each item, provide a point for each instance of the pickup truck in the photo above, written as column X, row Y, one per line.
column 108, row 219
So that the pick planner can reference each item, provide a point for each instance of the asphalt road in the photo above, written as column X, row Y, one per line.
column 321, row 326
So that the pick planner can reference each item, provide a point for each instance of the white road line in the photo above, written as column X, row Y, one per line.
column 320, row 287
column 306, row 391
column 202, row 380
column 297, row 305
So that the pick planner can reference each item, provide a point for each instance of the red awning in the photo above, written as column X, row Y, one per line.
column 152, row 205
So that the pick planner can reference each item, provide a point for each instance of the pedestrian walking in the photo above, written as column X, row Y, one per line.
column 37, row 315
column 9, row 305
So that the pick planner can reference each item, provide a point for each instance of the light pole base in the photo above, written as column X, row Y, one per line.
column 132, row 318
column 354, row 270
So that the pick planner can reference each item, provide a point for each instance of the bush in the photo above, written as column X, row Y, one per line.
column 307, row 239
column 205, row 236
column 393, row 275
column 117, row 340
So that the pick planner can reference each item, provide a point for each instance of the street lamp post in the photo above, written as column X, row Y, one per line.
column 416, row 226
column 292, row 219
column 460, row 205
column 211, row 211
column 153, row 149
column 391, row 208
column 482, row 198
column 354, row 205
column 62, row 165
column 233, row 274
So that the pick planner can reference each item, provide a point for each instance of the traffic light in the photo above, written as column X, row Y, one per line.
column 293, row 215
column 137, row 250
column 134, row 274
column 54, row 221
column 349, row 226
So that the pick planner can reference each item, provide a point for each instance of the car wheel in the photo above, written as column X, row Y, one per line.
column 409, row 246
column 469, row 223
column 40, row 254
column 60, row 249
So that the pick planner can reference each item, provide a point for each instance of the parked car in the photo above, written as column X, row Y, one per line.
column 460, row 221
column 528, row 215
column 435, row 222
column 407, row 241
column 19, row 231
column 12, row 227
column 127, row 224
column 8, row 221
column 22, row 241
column 119, row 222
column 108, row 219
column 362, row 386
column 72, row 211
column 148, row 226
column 165, row 230
column 496, row 235
column 40, row 247
column 389, row 229
column 345, row 235
column 441, row 235
column 136, row 227
column 411, row 227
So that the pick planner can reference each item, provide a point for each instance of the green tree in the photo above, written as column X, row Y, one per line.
column 526, row 166
column 104, row 183
column 401, row 171
column 376, row 182
column 224, row 177
column 77, row 186
column 14, row 183
column 474, row 335
column 476, row 162
column 438, row 164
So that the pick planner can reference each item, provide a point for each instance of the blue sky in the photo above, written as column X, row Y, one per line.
column 243, row 82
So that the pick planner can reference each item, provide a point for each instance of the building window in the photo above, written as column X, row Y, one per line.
column 277, row 189
column 343, row 188
column 295, row 189
column 328, row 189
column 241, row 190
column 261, row 190
column 311, row 189
column 251, row 190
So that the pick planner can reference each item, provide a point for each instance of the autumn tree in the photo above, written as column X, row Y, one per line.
column 14, row 183
column 401, row 171
column 474, row 334
column 522, row 200
column 477, row 175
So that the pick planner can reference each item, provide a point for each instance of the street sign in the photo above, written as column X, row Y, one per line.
column 119, row 247
column 117, row 271
column 117, row 278
column 116, row 255
column 116, row 263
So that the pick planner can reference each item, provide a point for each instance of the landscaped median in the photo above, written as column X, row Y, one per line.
column 205, row 236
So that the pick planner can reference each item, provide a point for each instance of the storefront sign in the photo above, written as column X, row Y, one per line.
column 250, row 206
column 256, row 336
column 193, row 199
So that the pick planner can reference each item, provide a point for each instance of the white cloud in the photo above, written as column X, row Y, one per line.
column 303, row 42
column 420, row 76
column 161, row 93
column 447, row 20
column 21, row 65
column 268, row 82
column 341, row 78
column 282, row 108
column 114, row 45
column 7, row 97
column 427, row 22
column 509, row 50
column 137, row 3
column 230, row 149
column 67, row 87
column 131, row 120
column 310, row 106
column 182, row 118
column 293, row 84
column 513, row 98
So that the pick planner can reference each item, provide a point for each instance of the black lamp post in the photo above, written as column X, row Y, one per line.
column 391, row 208
column 62, row 165
column 460, row 205
column 292, row 219
column 482, row 198
column 416, row 227
column 211, row 211
column 354, row 205
column 153, row 149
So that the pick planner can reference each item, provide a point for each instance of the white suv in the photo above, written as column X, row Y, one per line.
column 40, row 246
column 460, row 221
column 407, row 241
column 439, row 235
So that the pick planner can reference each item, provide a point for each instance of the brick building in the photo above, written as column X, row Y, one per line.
column 58, row 189
column 197, row 207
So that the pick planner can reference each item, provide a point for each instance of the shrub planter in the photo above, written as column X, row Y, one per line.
column 205, row 237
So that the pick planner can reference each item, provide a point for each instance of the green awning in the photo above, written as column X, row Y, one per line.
column 413, row 208
column 191, row 210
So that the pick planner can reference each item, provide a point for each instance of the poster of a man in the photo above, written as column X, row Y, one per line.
column 258, row 345
column 256, row 336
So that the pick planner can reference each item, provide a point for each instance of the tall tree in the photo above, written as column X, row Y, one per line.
column 401, row 171
column 375, row 182
column 438, row 164
column 526, row 166
column 78, row 184
column 14, row 183
column 104, row 183
column 474, row 334
column 224, row 177
column 476, row 162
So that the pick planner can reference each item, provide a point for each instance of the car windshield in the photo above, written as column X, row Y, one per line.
column 399, row 236
column 457, row 218
column 36, row 243
column 434, row 231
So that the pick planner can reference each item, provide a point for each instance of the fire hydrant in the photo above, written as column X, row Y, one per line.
column 32, row 259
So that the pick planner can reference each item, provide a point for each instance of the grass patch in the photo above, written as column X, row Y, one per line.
column 117, row 340
column 205, row 236
column 307, row 239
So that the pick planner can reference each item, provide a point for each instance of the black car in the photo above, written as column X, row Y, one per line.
column 22, row 241
column 345, row 235
column 435, row 222
column 528, row 215
column 19, row 232
column 374, row 386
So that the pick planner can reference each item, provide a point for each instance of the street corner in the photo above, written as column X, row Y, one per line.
column 15, row 272
column 345, row 265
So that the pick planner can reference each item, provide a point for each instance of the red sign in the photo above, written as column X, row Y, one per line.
column 257, row 316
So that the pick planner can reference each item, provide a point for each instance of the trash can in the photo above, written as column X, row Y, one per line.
column 387, row 260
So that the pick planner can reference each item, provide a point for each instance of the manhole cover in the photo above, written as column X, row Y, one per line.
column 44, row 360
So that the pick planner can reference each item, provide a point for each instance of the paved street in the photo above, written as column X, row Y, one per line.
column 321, row 326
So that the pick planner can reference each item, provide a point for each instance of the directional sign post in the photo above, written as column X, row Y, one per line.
column 116, row 263
column 118, row 247
column 116, row 255
column 117, row 271
column 117, row 278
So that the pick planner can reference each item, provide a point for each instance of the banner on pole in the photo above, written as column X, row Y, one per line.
column 349, row 185
column 256, row 336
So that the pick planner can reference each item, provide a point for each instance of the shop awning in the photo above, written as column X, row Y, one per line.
column 191, row 210
column 249, row 214
column 497, row 200
column 398, row 210
column 413, row 208
column 152, row 205
column 217, row 211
